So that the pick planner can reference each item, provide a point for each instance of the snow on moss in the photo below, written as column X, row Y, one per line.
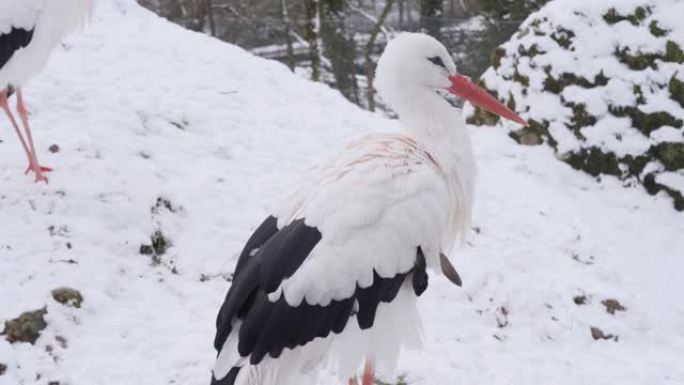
column 602, row 83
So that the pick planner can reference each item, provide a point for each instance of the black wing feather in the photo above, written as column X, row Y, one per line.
column 267, row 326
column 11, row 42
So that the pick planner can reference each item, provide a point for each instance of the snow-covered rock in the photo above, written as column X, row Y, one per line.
column 602, row 82
column 174, row 146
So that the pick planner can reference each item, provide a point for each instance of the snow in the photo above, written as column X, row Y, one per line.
column 142, row 109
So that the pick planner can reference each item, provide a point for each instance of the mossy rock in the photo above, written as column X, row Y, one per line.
column 68, row 296
column 533, row 134
column 526, row 137
column 656, row 30
column 594, row 162
column 530, row 52
column 635, row 18
column 557, row 85
column 654, row 187
column 646, row 123
column 497, row 55
column 636, row 164
column 636, row 90
column 673, row 53
column 580, row 118
column 676, row 88
column 563, row 37
column 671, row 155
column 520, row 78
column 26, row 327
column 482, row 117
column 638, row 62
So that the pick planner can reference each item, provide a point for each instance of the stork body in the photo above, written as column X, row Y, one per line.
column 332, row 277
column 29, row 31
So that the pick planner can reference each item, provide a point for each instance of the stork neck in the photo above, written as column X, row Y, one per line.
column 439, row 127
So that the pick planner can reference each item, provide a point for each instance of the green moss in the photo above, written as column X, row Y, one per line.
column 565, row 79
column 520, row 78
column 646, row 123
column 497, row 55
column 594, row 162
column 640, row 13
column 635, row 164
column 638, row 62
column 580, row 118
column 654, row 187
column 511, row 101
column 68, row 296
column 563, row 37
column 25, row 328
column 670, row 154
column 530, row 52
column 655, row 30
column 639, row 94
column 673, row 53
column 676, row 88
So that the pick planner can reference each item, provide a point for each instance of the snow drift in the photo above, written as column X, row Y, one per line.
column 173, row 146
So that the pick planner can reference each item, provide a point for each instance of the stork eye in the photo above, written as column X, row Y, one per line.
column 436, row 60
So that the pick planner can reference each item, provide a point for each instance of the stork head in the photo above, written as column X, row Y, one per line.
column 415, row 63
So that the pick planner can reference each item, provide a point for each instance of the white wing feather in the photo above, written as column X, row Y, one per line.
column 375, row 203
column 19, row 14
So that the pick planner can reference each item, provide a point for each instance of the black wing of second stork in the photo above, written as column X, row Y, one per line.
column 12, row 41
column 267, row 327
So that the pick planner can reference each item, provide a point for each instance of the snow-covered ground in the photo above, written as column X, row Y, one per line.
column 142, row 109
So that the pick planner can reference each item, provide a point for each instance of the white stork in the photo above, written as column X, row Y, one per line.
column 29, row 31
column 333, row 276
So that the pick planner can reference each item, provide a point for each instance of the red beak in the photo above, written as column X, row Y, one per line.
column 463, row 87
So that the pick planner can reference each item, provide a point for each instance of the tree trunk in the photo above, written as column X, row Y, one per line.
column 401, row 14
column 370, row 65
column 431, row 17
column 312, row 11
column 288, row 36
column 210, row 15
column 338, row 47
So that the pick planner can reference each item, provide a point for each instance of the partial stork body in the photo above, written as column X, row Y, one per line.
column 29, row 31
column 332, row 277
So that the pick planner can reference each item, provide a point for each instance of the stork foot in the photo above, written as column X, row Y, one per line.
column 30, row 168
column 39, row 170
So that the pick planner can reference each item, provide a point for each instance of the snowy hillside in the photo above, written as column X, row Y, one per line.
column 603, row 82
column 167, row 134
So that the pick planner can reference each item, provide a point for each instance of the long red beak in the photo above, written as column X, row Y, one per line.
column 463, row 87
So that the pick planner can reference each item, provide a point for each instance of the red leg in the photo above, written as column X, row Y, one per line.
column 369, row 372
column 33, row 163
column 5, row 107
